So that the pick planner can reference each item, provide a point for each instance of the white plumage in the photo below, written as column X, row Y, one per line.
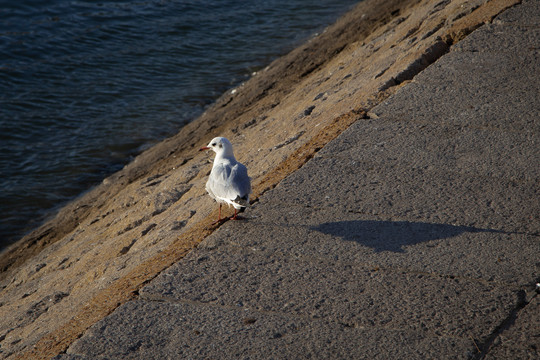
column 228, row 181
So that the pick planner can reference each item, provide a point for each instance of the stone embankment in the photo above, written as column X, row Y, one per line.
column 407, row 225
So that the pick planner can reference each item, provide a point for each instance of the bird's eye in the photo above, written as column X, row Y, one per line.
column 214, row 144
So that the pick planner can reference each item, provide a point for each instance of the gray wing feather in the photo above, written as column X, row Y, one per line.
column 229, row 182
column 240, row 181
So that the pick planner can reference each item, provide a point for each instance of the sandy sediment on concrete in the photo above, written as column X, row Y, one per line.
column 103, row 247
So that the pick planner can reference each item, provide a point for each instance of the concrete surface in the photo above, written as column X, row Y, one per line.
column 103, row 248
column 414, row 234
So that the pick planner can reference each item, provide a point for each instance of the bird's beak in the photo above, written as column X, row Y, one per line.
column 204, row 148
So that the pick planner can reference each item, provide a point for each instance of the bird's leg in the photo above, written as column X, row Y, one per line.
column 236, row 217
column 219, row 219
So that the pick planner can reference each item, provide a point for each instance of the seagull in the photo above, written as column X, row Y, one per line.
column 228, row 181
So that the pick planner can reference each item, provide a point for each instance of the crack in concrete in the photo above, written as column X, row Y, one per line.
column 488, row 344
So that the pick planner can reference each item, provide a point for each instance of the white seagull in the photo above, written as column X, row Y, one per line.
column 228, row 181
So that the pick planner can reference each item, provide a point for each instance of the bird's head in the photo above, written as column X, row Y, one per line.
column 221, row 146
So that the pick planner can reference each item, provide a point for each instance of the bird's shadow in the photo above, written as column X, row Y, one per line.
column 394, row 235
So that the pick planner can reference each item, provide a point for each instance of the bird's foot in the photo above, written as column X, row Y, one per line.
column 237, row 217
column 219, row 221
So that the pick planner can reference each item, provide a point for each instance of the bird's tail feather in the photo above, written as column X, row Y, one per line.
column 242, row 201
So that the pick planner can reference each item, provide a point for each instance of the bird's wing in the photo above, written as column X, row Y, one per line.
column 240, row 182
column 229, row 182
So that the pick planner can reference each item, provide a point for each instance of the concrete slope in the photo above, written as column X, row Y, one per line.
column 103, row 249
column 414, row 234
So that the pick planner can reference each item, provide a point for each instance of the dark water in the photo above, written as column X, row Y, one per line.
column 86, row 85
